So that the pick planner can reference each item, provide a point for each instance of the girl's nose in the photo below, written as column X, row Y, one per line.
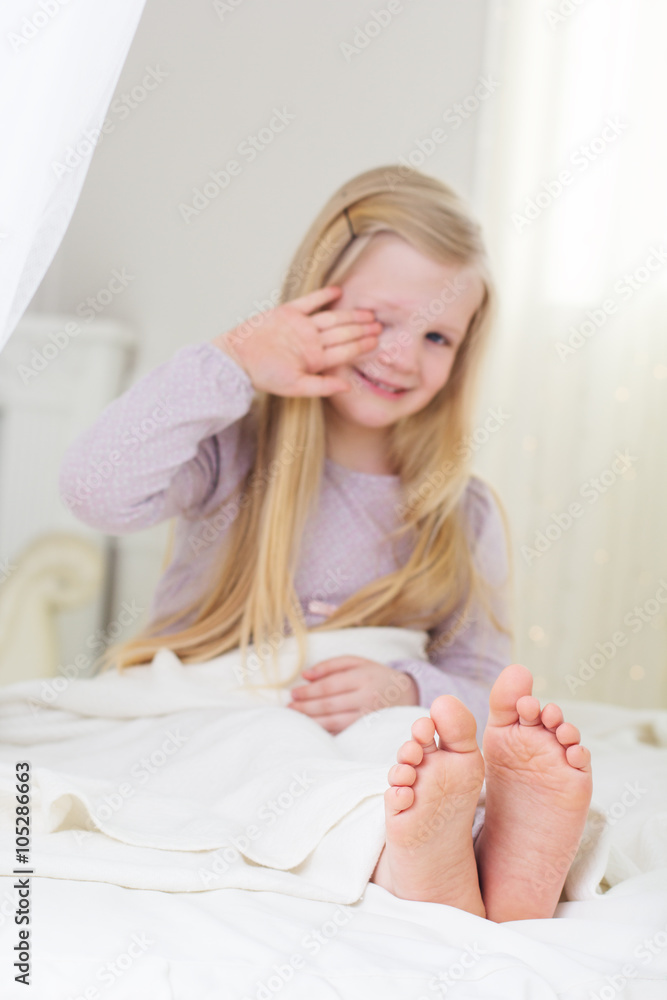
column 398, row 347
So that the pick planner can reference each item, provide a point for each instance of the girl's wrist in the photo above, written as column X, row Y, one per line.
column 411, row 689
column 226, row 343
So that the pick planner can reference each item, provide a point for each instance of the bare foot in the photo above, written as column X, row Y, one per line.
column 538, row 790
column 429, row 811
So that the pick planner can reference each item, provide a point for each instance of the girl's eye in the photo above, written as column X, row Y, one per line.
column 445, row 340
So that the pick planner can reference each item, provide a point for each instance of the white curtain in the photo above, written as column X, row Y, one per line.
column 571, row 191
column 58, row 72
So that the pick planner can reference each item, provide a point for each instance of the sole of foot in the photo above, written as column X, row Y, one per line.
column 429, row 811
column 538, row 790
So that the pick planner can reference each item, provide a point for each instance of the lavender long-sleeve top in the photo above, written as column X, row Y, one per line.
column 166, row 448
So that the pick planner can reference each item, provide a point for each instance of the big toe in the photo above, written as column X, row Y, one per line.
column 512, row 683
column 455, row 724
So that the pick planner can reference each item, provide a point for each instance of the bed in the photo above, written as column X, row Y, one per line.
column 150, row 882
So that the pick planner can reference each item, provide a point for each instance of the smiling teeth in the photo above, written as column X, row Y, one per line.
column 382, row 385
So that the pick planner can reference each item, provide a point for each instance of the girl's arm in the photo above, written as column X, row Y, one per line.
column 156, row 451
column 468, row 663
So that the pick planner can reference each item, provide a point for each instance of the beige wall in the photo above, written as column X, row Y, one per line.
column 208, row 78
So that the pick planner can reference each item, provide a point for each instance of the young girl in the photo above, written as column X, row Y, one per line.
column 316, row 460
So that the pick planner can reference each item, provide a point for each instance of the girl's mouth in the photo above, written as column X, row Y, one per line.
column 381, row 388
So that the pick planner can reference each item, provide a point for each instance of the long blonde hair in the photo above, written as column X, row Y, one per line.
column 253, row 598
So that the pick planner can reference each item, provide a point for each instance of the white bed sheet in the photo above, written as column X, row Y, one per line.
column 94, row 939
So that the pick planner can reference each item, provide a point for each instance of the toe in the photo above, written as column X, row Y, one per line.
column 552, row 716
column 511, row 684
column 455, row 724
column 528, row 708
column 397, row 798
column 423, row 732
column 410, row 753
column 402, row 774
column 567, row 734
column 579, row 757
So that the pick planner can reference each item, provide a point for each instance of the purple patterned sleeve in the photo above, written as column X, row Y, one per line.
column 468, row 663
column 156, row 451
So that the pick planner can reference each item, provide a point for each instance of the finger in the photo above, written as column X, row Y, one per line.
column 335, row 684
column 332, row 665
column 329, row 318
column 350, row 333
column 324, row 688
column 319, row 385
column 315, row 300
column 341, row 354
column 309, row 384
column 328, row 706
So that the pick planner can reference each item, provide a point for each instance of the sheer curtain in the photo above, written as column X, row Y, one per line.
column 58, row 73
column 571, row 193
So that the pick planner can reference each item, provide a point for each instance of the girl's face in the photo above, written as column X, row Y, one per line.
column 425, row 309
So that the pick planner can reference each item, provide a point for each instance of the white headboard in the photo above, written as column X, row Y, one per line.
column 57, row 374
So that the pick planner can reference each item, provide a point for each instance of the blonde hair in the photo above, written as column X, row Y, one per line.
column 253, row 598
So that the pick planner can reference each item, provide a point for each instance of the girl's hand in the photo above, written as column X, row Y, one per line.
column 281, row 350
column 344, row 688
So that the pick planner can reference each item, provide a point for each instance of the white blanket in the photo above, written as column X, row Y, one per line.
column 174, row 778
column 188, row 780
